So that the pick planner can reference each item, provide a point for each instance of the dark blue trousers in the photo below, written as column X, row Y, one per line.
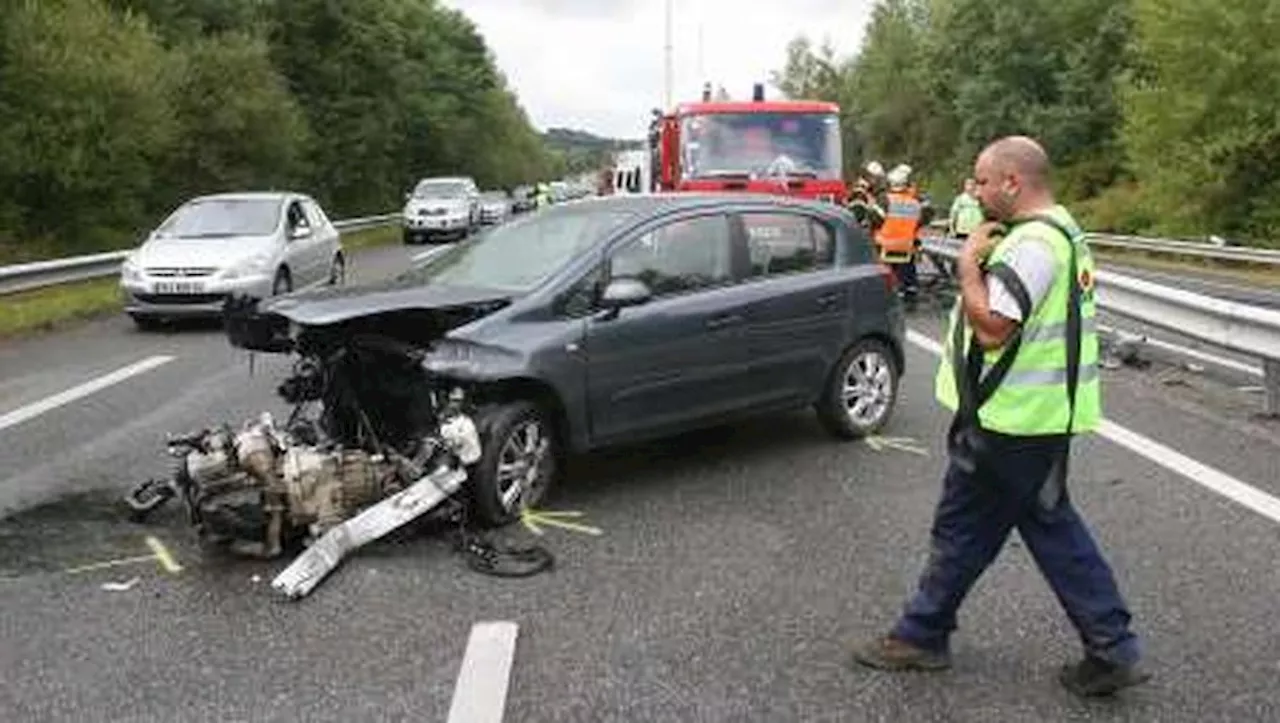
column 1007, row 490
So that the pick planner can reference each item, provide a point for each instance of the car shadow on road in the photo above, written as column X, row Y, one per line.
column 672, row 461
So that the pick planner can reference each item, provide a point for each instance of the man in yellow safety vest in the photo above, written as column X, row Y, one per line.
column 1020, row 372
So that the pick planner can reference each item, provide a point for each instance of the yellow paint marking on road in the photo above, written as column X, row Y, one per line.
column 109, row 563
column 162, row 554
column 904, row 444
column 533, row 520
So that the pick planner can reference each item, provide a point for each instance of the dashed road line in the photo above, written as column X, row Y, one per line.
column 480, row 695
column 35, row 409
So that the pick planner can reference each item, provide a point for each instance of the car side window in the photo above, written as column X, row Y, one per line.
column 679, row 257
column 787, row 243
column 580, row 299
column 297, row 218
column 315, row 215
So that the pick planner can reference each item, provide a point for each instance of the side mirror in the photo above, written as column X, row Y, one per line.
column 299, row 232
column 624, row 292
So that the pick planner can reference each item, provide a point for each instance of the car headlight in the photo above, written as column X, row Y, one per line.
column 129, row 270
column 251, row 266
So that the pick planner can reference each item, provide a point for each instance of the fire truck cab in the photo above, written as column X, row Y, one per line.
column 786, row 147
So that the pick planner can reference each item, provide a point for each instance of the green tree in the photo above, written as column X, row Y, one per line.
column 241, row 128
column 84, row 119
column 1203, row 123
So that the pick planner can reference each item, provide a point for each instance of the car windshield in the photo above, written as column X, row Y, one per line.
column 223, row 218
column 761, row 144
column 440, row 189
column 520, row 254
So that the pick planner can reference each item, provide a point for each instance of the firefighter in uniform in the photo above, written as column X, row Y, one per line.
column 1020, row 372
column 898, row 235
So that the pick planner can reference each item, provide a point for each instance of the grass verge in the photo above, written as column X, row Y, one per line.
column 57, row 307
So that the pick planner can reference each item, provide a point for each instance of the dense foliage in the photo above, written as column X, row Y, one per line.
column 113, row 111
column 1158, row 113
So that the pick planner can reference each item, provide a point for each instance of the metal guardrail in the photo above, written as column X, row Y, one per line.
column 1249, row 330
column 39, row 274
column 1172, row 247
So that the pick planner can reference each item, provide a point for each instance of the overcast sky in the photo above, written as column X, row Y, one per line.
column 597, row 65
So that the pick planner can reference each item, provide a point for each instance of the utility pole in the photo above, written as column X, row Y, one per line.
column 702, row 73
column 668, row 71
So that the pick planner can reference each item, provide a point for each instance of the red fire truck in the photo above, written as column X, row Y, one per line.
column 783, row 146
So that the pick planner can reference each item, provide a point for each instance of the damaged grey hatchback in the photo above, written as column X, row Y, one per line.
column 596, row 323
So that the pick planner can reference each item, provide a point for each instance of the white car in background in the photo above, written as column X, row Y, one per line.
column 258, row 244
column 442, row 208
column 495, row 207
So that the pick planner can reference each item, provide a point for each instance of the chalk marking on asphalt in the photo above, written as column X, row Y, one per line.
column 109, row 563
column 480, row 695
column 903, row 444
column 1176, row 462
column 35, row 409
column 162, row 554
column 534, row 519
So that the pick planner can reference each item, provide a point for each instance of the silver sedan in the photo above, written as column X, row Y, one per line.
column 211, row 247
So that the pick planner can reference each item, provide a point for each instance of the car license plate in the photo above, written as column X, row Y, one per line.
column 179, row 287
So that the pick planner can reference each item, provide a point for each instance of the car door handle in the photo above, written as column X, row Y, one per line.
column 828, row 299
column 723, row 320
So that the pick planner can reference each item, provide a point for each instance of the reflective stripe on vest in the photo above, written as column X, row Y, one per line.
column 897, row 235
column 1032, row 398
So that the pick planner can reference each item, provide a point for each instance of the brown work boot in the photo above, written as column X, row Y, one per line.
column 890, row 653
column 1092, row 677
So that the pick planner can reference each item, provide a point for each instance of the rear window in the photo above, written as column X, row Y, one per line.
column 787, row 243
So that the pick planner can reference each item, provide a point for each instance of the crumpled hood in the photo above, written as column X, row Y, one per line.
column 332, row 305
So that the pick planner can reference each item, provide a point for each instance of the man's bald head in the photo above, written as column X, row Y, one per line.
column 1013, row 176
column 1023, row 157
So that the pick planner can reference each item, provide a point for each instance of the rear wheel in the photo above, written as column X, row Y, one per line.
column 337, row 271
column 861, row 391
column 518, row 463
column 283, row 284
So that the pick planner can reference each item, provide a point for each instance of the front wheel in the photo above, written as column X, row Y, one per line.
column 861, row 391
column 337, row 271
column 518, row 464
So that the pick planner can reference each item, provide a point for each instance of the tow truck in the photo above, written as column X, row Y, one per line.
column 789, row 147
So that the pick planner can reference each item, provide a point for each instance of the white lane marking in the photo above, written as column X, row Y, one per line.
column 35, row 409
column 1225, row 485
column 1193, row 353
column 426, row 255
column 480, row 695
column 1176, row 462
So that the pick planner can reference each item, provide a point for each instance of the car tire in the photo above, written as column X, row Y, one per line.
column 506, row 432
column 338, row 271
column 282, row 284
column 407, row 238
column 860, row 392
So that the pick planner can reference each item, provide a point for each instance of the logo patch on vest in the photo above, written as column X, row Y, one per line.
column 1086, row 284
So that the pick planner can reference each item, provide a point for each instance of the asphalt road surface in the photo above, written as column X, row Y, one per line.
column 734, row 567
